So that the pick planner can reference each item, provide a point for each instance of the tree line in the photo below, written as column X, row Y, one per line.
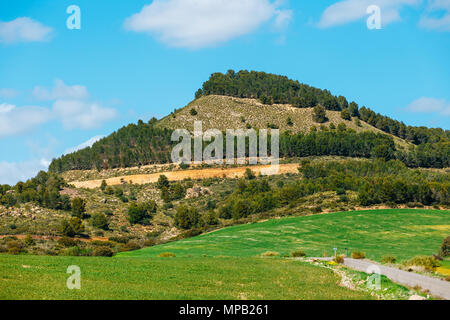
column 374, row 181
column 271, row 88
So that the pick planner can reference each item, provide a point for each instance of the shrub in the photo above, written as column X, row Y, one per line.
column 339, row 259
column 211, row 219
column 29, row 241
column 429, row 263
column 103, row 251
column 99, row 220
column 122, row 240
column 447, row 278
column 109, row 190
column 184, row 166
column 149, row 243
column 78, row 207
column 162, row 182
column 73, row 252
column 249, row 174
column 445, row 248
column 193, row 112
column 320, row 114
column 103, row 185
column 186, row 217
column 242, row 208
column 345, row 115
column 133, row 245
column 15, row 247
column 389, row 259
column 15, row 251
column 298, row 253
column 270, row 254
column 67, row 242
column 72, row 227
column 141, row 213
column 167, row 255
column 358, row 255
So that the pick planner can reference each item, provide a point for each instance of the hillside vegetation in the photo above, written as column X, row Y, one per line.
column 259, row 100
column 224, row 112
column 402, row 233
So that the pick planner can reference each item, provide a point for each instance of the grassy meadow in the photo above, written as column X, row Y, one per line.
column 43, row 278
column 401, row 232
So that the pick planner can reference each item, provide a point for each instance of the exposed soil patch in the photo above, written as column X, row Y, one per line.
column 195, row 174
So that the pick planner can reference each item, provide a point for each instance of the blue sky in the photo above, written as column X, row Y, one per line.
column 137, row 59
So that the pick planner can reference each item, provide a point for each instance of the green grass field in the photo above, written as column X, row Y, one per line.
column 40, row 277
column 226, row 265
column 401, row 232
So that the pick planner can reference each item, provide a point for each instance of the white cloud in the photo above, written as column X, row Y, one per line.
column 23, row 30
column 347, row 11
column 432, row 21
column 61, row 91
column 81, row 114
column 86, row 144
column 8, row 93
column 13, row 172
column 430, row 105
column 203, row 23
column 17, row 120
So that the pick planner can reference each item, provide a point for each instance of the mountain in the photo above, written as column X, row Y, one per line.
column 259, row 100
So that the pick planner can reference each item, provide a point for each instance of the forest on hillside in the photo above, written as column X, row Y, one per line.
column 144, row 143
column 276, row 89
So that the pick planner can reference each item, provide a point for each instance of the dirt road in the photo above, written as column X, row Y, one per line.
column 194, row 174
column 437, row 287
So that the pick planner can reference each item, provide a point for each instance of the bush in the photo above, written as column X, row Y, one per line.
column 270, row 254
column 445, row 248
column 339, row 259
column 186, row 217
column 67, row 242
column 122, row 240
column 109, row 190
column 99, row 220
column 193, row 112
column 103, row 251
column 15, row 247
column 142, row 213
column 133, row 245
column 389, row 259
column 78, row 207
column 249, row 174
column 319, row 114
column 298, row 253
column 428, row 263
column 72, row 227
column 345, row 115
column 358, row 255
column 167, row 255
column 163, row 182
column 73, row 252
column 29, row 241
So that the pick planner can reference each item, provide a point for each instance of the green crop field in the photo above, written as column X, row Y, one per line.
column 401, row 232
column 40, row 277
